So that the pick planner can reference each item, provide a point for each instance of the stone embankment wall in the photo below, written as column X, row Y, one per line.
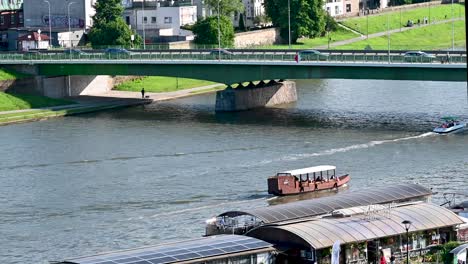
column 260, row 37
column 248, row 98
column 257, row 38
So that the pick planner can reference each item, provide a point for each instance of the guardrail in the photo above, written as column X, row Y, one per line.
column 239, row 55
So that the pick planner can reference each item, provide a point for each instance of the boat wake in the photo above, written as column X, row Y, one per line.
column 217, row 205
column 350, row 148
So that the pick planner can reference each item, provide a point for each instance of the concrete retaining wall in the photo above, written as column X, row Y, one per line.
column 257, row 38
column 248, row 98
column 60, row 86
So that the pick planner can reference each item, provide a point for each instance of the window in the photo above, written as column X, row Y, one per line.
column 20, row 17
column 153, row 20
column 337, row 10
column 2, row 20
column 348, row 8
column 12, row 19
column 145, row 20
column 167, row 20
column 127, row 20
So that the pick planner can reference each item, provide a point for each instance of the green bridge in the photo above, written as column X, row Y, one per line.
column 230, row 72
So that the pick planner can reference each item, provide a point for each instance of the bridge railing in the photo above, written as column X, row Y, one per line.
column 243, row 55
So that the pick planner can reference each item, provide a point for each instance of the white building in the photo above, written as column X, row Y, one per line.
column 334, row 7
column 253, row 9
column 156, row 20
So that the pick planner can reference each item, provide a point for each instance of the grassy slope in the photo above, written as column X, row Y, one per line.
column 16, row 102
column 425, row 38
column 157, row 84
column 378, row 23
column 10, row 75
column 305, row 43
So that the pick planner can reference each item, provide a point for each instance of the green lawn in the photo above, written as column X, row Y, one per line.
column 157, row 84
column 10, row 75
column 425, row 38
column 16, row 102
column 378, row 23
column 306, row 43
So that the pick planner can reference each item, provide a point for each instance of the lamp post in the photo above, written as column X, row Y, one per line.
column 39, row 39
column 407, row 224
column 143, row 22
column 69, row 25
column 50, row 25
column 219, row 34
column 289, row 22
column 453, row 29
column 388, row 36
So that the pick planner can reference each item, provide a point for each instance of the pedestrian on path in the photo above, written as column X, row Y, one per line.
column 143, row 93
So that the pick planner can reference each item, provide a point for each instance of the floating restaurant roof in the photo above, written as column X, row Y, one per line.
column 186, row 251
column 310, row 170
column 324, row 205
column 323, row 232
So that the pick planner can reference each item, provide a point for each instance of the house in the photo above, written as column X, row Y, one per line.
column 33, row 40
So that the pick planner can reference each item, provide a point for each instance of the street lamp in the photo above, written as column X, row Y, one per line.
column 289, row 22
column 143, row 22
column 69, row 25
column 388, row 36
column 407, row 224
column 50, row 25
column 219, row 35
column 453, row 29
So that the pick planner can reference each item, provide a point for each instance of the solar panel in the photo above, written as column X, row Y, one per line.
column 175, row 252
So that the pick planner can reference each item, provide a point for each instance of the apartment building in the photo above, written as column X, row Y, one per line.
column 160, row 21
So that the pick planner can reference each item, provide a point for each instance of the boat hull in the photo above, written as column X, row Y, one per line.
column 290, row 185
column 448, row 130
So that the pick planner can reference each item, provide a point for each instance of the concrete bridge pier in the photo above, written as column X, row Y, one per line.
column 255, row 96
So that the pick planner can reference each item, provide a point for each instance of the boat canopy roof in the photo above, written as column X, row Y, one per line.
column 323, row 232
column 310, row 170
column 448, row 118
column 324, row 205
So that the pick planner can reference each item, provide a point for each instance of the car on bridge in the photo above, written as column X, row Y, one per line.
column 216, row 53
column 75, row 53
column 117, row 53
column 311, row 55
column 418, row 56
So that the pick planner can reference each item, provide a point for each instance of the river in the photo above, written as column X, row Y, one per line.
column 146, row 175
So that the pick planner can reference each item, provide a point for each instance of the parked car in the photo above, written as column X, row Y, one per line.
column 117, row 53
column 311, row 55
column 224, row 53
column 31, row 55
column 76, row 53
column 418, row 56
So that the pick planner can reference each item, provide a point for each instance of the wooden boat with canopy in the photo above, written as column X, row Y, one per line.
column 306, row 180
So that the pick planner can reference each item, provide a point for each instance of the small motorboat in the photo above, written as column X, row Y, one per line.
column 311, row 179
column 450, row 125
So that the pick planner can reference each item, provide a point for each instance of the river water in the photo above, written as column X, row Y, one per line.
column 146, row 175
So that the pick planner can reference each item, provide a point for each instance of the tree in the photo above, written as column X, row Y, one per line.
column 307, row 17
column 206, row 31
column 226, row 7
column 109, row 28
column 241, row 22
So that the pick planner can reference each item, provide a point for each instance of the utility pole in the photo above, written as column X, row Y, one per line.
column 453, row 30
column 50, row 25
column 289, row 22
column 219, row 34
column 388, row 35
column 143, row 22
column 69, row 28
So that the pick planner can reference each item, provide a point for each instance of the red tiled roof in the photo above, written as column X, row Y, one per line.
column 33, row 36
